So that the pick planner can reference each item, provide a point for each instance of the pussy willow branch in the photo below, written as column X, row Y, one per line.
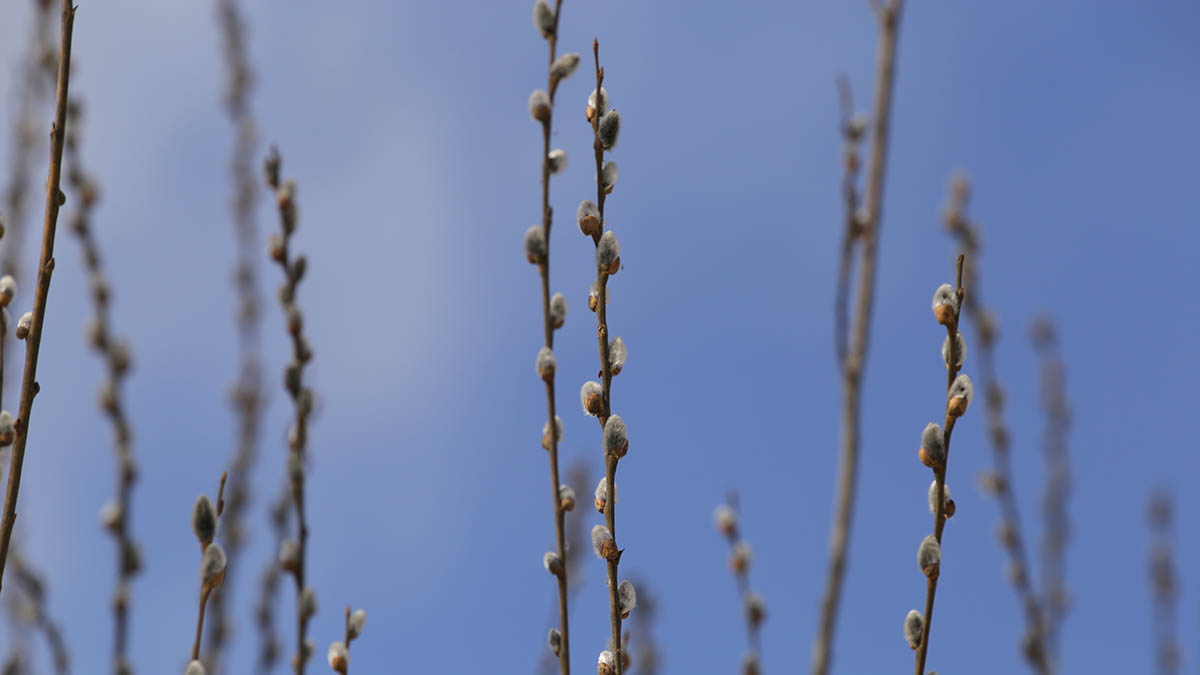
column 1000, row 483
column 268, row 649
column 648, row 660
column 939, row 516
column 564, row 654
column 850, row 231
column 302, row 397
column 741, row 576
column 1164, row 585
column 1058, row 484
column 29, row 384
column 610, row 461
column 578, row 477
column 33, row 587
column 247, row 396
column 207, row 588
column 115, row 353
column 855, row 362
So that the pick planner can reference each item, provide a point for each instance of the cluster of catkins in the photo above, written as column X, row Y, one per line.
column 8, row 290
column 935, row 445
column 726, row 520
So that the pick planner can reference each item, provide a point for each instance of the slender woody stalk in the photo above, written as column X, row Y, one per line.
column 1058, row 484
column 33, row 587
column 207, row 586
column 940, row 516
column 1000, row 482
column 564, row 655
column 54, row 199
column 855, row 359
column 264, row 612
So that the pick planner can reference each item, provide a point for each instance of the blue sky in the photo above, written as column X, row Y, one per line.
column 405, row 125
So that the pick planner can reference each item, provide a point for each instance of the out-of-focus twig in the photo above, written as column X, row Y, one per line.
column 1164, row 585
column 727, row 519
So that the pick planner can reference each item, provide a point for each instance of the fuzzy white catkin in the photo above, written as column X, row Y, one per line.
column 616, row 437
column 606, row 658
column 960, row 353
column 195, row 668
column 962, row 388
column 339, row 656
column 539, row 105
column 933, row 496
column 8, row 289
column 617, row 354
column 543, row 18
column 558, row 426
column 603, row 107
column 565, row 493
column 594, row 292
column 608, row 251
column 358, row 621
column 608, row 175
column 557, row 159
column 212, row 565
column 289, row 553
column 204, row 519
column 590, row 388
column 601, row 493
column 742, row 555
column 552, row 563
column 308, row 601
column 609, row 129
column 725, row 519
column 945, row 295
column 565, row 65
column 929, row 553
column 932, row 441
column 110, row 514
column 8, row 428
column 587, row 210
column 627, row 597
column 913, row 626
column 601, row 538
column 24, row 324
column 546, row 363
column 535, row 244
column 558, row 310
column 554, row 639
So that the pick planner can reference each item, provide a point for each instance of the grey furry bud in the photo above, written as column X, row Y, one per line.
column 603, row 543
column 558, row 427
column 929, row 555
column 539, row 105
column 289, row 555
column 546, row 364
column 594, row 296
column 204, row 520
column 609, row 129
column 557, row 160
column 616, row 437
column 8, row 289
column 945, row 304
column 933, row 447
column 308, row 601
column 913, row 627
column 627, row 598
column 608, row 253
column 857, row 126
column 535, row 244
column 566, row 498
column 8, row 428
column 212, row 565
column 960, row 395
column 358, row 621
column 756, row 609
column 616, row 355
column 295, row 468
column 608, row 176
column 555, row 641
column 111, row 515
column 24, row 324
column 933, row 497
column 558, row 310
column 601, row 494
column 339, row 657
column 591, row 395
column 958, row 353
column 553, row 563
column 740, row 557
column 726, row 520
column 588, row 216
column 750, row 664
column 606, row 664
column 543, row 18
column 564, row 66
column 195, row 668
column 592, row 108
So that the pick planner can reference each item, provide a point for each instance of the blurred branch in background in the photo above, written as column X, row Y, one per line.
column 117, row 357
column 247, row 394
column 264, row 611
column 728, row 523
column 645, row 658
column 1058, row 485
column 31, row 607
column 1164, row 584
column 578, row 476
column 999, row 482
column 862, row 229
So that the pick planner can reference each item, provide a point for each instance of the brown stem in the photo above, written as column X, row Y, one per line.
column 852, row 368
column 200, row 621
column 29, row 385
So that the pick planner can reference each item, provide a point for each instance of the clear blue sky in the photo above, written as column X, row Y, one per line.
column 406, row 127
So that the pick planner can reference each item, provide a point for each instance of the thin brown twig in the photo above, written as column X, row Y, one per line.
column 1164, row 585
column 247, row 395
column 268, row 651
column 855, row 361
column 116, row 355
column 852, row 130
column 54, row 199
column 302, row 396
column 564, row 653
column 1000, row 482
column 940, row 516
column 576, row 545
column 728, row 523
column 33, row 587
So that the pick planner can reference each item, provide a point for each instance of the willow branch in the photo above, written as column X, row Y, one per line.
column 54, row 199
column 855, row 360
column 1058, row 484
